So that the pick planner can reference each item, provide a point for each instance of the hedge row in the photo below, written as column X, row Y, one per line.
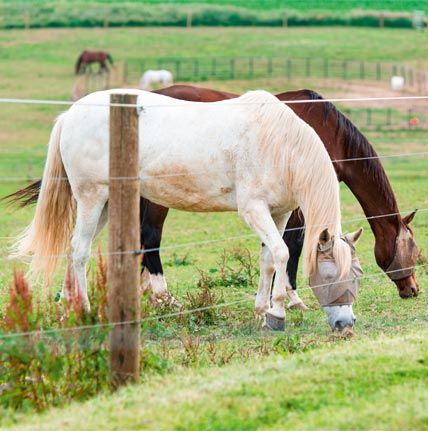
column 17, row 15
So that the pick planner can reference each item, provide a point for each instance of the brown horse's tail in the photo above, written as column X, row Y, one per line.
column 47, row 236
column 79, row 62
column 26, row 196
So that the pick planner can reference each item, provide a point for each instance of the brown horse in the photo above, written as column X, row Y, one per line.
column 88, row 57
column 395, row 249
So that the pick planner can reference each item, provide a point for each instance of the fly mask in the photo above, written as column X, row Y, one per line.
column 327, row 290
column 405, row 255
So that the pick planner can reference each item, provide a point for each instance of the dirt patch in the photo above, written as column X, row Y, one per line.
column 374, row 90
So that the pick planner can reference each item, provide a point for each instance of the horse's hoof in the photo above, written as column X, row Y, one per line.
column 297, row 305
column 172, row 302
column 274, row 323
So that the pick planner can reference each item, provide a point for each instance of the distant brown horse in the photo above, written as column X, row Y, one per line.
column 88, row 57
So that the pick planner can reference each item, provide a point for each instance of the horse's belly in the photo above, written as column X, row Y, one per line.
column 184, row 193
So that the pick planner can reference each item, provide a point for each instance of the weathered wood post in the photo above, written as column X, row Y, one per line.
column 124, row 238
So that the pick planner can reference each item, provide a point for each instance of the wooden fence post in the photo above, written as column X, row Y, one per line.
column 124, row 238
column 285, row 20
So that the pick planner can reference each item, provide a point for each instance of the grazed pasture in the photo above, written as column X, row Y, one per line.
column 306, row 367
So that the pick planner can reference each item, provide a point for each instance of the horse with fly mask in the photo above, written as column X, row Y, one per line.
column 395, row 249
column 253, row 165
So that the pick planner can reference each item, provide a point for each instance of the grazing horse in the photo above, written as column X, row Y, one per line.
column 151, row 77
column 396, row 252
column 395, row 249
column 88, row 57
column 262, row 161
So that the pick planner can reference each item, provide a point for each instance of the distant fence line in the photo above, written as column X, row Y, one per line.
column 230, row 68
column 222, row 68
column 387, row 118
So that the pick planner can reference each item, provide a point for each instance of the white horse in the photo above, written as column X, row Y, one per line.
column 151, row 77
column 252, row 155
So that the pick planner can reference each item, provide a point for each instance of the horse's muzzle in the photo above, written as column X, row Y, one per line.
column 407, row 287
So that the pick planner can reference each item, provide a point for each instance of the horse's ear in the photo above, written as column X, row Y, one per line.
column 409, row 218
column 324, row 236
column 353, row 237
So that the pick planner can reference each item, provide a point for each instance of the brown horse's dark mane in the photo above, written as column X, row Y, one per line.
column 357, row 146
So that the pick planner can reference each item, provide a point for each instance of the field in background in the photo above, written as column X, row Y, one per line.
column 39, row 64
column 75, row 13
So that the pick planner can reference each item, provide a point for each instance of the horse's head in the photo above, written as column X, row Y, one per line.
column 334, row 293
column 401, row 269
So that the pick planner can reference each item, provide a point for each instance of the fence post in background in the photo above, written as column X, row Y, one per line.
column 189, row 19
column 378, row 71
column 325, row 67
column 125, row 73
column 308, row 67
column 270, row 66
column 124, row 236
column 213, row 67
column 410, row 74
column 196, row 68
column 362, row 71
column 381, row 20
column 232, row 68
column 285, row 20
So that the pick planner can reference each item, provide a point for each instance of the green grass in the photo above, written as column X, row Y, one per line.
column 361, row 384
column 239, row 378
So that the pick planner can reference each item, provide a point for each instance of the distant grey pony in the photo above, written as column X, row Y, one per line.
column 150, row 77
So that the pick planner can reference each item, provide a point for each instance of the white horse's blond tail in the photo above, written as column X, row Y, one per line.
column 46, row 238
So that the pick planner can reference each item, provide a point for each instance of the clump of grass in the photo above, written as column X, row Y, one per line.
column 179, row 260
column 422, row 261
column 236, row 268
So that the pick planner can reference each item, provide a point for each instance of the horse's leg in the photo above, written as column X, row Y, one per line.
column 103, row 66
column 67, row 285
column 152, row 218
column 267, row 271
column 257, row 215
column 87, row 222
column 294, row 238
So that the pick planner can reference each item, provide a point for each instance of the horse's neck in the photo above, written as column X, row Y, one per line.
column 368, row 181
column 366, row 178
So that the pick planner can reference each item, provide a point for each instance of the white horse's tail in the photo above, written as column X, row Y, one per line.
column 47, row 236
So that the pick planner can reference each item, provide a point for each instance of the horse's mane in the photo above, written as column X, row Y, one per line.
column 289, row 146
column 356, row 145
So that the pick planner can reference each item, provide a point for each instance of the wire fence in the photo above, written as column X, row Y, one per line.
column 225, row 68
column 229, row 68
column 198, row 243
column 111, row 325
